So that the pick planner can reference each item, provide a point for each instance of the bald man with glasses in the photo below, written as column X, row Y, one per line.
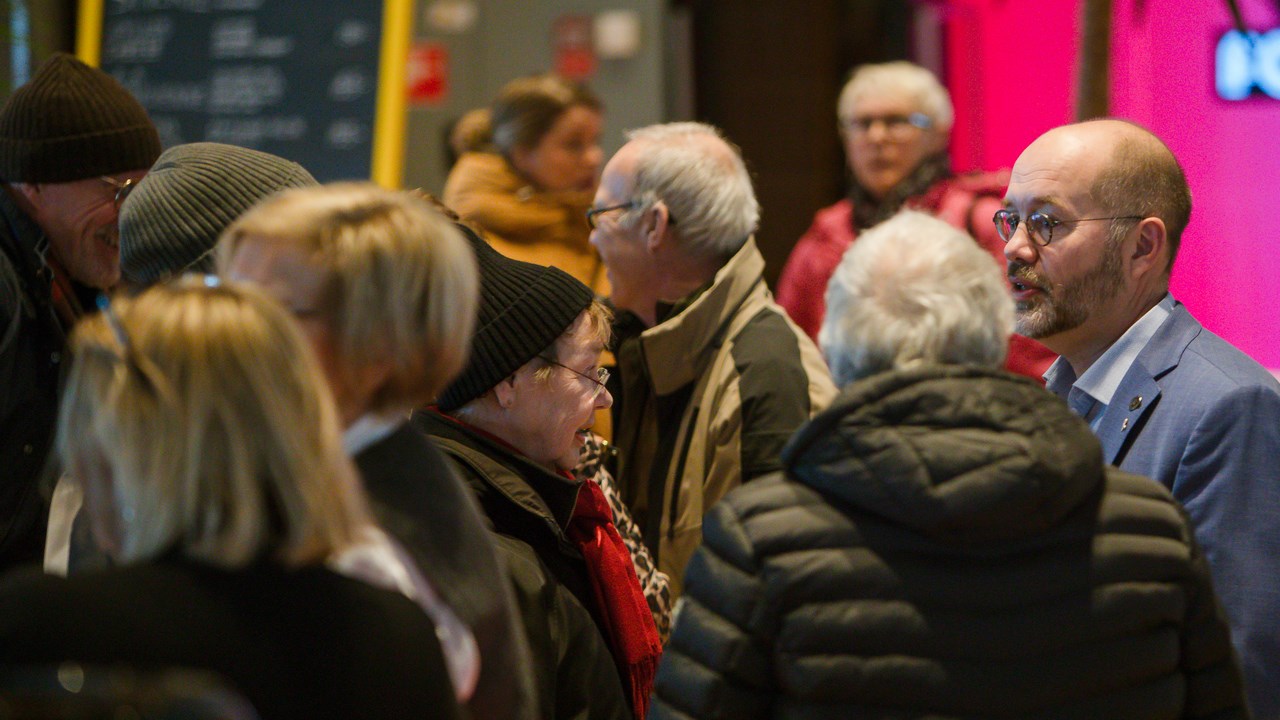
column 1092, row 222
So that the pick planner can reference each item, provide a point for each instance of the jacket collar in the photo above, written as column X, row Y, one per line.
column 677, row 350
column 1138, row 391
column 961, row 453
column 28, row 233
column 524, row 483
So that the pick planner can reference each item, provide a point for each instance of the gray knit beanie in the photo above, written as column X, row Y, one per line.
column 170, row 223
column 523, row 309
column 73, row 122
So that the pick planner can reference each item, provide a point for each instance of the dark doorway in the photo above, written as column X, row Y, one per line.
column 768, row 72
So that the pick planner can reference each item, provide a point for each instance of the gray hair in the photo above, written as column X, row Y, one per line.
column 703, row 181
column 900, row 77
column 913, row 290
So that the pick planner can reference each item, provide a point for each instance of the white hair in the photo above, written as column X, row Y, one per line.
column 899, row 78
column 701, row 178
column 913, row 290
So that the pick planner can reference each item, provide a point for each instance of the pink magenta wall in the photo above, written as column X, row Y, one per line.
column 1011, row 67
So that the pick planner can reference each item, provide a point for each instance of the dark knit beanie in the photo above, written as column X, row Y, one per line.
column 172, row 220
column 523, row 309
column 72, row 122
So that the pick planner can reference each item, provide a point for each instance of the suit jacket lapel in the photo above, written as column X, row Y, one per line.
column 1133, row 400
column 1140, row 388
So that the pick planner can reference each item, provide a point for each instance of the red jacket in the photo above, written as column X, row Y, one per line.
column 965, row 201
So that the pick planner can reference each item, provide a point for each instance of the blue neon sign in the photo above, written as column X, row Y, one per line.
column 1245, row 62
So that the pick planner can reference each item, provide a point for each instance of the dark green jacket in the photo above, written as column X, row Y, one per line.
column 528, row 509
column 32, row 354
column 946, row 543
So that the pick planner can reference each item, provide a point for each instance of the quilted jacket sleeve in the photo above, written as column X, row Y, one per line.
column 717, row 664
column 1214, row 686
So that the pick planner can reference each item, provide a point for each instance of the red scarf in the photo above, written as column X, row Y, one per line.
column 625, row 614
column 628, row 623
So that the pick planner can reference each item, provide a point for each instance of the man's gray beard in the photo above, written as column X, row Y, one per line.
column 1069, row 307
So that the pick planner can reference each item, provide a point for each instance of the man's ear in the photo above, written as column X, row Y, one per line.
column 1150, row 248
column 656, row 224
column 505, row 392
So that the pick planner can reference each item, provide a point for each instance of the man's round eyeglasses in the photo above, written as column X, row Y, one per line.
column 122, row 188
column 1039, row 225
column 601, row 375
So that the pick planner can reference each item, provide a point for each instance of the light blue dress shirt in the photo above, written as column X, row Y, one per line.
column 1090, row 395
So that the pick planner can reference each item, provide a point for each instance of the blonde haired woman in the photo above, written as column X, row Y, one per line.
column 213, row 472
column 385, row 288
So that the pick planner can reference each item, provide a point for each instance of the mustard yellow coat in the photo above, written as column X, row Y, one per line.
column 548, row 228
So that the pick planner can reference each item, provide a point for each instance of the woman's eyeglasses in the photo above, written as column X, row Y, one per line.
column 601, row 375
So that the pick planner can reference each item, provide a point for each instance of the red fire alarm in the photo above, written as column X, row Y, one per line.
column 575, row 54
column 427, row 74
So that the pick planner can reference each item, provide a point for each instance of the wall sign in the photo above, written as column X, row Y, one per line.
column 1248, row 63
column 304, row 80
column 427, row 81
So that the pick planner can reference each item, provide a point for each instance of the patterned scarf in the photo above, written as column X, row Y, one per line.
column 868, row 211
column 624, row 612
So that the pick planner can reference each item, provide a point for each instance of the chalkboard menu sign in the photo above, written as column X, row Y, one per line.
column 297, row 78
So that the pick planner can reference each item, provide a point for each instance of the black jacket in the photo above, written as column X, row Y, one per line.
column 529, row 509
column 300, row 643
column 947, row 544
column 419, row 499
column 32, row 346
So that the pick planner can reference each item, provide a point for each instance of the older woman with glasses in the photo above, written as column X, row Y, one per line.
column 208, row 447
column 895, row 122
column 515, row 421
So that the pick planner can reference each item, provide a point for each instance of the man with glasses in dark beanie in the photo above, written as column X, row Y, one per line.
column 73, row 142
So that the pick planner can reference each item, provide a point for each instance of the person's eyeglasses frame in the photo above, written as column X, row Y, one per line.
column 602, row 375
column 895, row 126
column 595, row 211
column 628, row 205
column 123, row 188
column 1041, row 237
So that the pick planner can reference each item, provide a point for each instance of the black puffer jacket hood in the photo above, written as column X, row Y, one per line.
column 960, row 454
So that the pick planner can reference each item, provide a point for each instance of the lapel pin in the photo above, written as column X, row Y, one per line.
column 1135, row 403
column 1124, row 425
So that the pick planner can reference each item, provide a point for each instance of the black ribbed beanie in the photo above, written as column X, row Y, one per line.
column 523, row 309
column 172, row 220
column 72, row 122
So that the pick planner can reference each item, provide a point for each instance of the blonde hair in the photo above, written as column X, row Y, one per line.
column 401, row 281
column 205, row 418
column 596, row 326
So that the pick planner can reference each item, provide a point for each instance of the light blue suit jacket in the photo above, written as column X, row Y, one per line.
column 1203, row 418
